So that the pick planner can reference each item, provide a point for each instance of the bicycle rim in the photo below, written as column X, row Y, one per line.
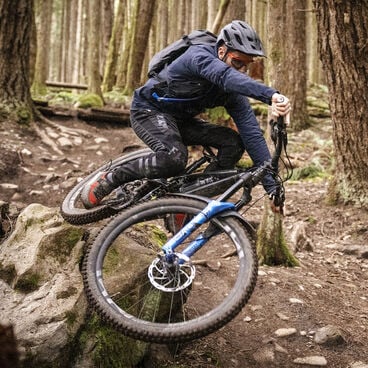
column 206, row 294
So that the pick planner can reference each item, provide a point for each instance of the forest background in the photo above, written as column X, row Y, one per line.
column 101, row 48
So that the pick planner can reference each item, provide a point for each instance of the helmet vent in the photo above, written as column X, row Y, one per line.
column 238, row 38
column 226, row 33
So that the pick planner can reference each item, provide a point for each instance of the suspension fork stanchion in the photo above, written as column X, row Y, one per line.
column 211, row 210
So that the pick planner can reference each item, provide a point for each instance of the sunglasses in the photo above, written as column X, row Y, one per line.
column 240, row 62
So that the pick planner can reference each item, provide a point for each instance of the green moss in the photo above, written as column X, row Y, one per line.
column 312, row 220
column 245, row 163
column 24, row 115
column 89, row 100
column 66, row 293
column 272, row 249
column 38, row 89
column 71, row 317
column 116, row 97
column 217, row 114
column 158, row 236
column 7, row 273
column 110, row 348
column 111, row 261
column 63, row 98
column 310, row 171
column 62, row 243
column 28, row 282
column 276, row 255
column 154, row 236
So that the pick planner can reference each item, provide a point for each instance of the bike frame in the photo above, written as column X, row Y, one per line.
column 247, row 180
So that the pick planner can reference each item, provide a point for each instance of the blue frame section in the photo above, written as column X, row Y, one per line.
column 212, row 209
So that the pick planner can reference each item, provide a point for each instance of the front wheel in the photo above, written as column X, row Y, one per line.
column 72, row 208
column 133, row 289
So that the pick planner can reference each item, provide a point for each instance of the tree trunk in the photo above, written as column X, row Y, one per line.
column 343, row 49
column 94, row 78
column 220, row 16
column 113, row 52
column 296, row 88
column 15, row 32
column 44, row 10
column 271, row 245
column 139, row 44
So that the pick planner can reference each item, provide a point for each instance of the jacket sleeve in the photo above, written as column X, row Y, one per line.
column 240, row 110
column 210, row 67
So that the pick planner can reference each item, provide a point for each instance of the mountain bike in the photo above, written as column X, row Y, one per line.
column 181, row 266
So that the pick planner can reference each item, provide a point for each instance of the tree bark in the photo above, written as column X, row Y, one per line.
column 44, row 9
column 139, row 44
column 220, row 16
column 296, row 88
column 15, row 33
column 114, row 44
column 94, row 78
column 271, row 245
column 343, row 48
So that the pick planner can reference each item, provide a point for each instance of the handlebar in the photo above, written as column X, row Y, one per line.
column 279, row 138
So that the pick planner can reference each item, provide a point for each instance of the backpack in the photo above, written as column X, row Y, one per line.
column 171, row 52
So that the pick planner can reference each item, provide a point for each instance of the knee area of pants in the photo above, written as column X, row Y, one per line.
column 172, row 164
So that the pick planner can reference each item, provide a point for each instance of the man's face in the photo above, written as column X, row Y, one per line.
column 236, row 59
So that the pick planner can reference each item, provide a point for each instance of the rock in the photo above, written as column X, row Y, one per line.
column 42, row 297
column 296, row 301
column 65, row 142
column 315, row 360
column 329, row 335
column 38, row 261
column 100, row 140
column 282, row 316
column 283, row 332
column 9, row 186
column 358, row 365
column 26, row 152
column 279, row 348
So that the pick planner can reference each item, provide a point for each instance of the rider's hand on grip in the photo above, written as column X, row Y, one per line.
column 281, row 107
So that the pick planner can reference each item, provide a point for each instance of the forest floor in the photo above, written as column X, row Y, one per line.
column 329, row 288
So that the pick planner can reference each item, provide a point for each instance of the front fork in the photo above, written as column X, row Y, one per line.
column 212, row 209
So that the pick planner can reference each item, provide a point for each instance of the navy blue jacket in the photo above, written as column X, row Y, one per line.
column 215, row 84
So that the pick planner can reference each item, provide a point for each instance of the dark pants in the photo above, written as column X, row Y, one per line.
column 168, row 137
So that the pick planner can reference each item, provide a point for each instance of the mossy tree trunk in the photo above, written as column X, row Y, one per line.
column 15, row 34
column 271, row 244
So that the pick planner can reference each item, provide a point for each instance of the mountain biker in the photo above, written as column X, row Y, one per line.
column 164, row 110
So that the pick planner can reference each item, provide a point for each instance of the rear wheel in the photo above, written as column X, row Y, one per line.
column 72, row 208
column 145, row 298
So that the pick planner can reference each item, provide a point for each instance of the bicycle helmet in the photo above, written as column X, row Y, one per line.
column 240, row 36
